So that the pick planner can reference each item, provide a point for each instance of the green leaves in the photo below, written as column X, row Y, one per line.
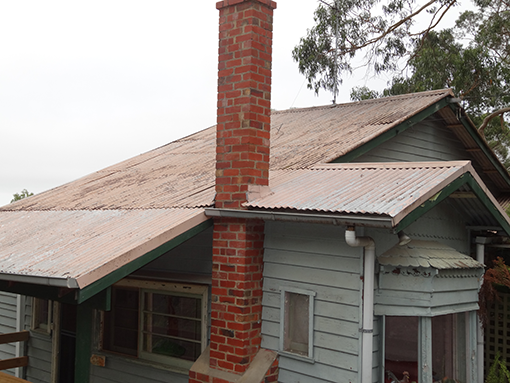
column 381, row 32
column 24, row 193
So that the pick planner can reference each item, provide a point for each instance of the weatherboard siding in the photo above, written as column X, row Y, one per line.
column 428, row 140
column 316, row 258
column 442, row 224
column 39, row 356
column 425, row 141
column 39, row 350
column 7, row 325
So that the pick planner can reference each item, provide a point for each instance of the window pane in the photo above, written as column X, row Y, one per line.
column 171, row 304
column 171, row 347
column 176, row 327
column 121, row 323
column 172, row 325
column 449, row 347
column 401, row 352
column 296, row 331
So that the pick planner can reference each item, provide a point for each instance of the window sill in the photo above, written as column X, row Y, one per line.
column 297, row 356
column 39, row 333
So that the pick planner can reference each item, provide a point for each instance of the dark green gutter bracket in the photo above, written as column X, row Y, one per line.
column 393, row 132
column 122, row 272
column 466, row 178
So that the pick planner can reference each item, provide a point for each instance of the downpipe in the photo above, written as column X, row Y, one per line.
column 367, row 330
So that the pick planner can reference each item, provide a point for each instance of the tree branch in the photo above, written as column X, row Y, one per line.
column 398, row 24
column 487, row 119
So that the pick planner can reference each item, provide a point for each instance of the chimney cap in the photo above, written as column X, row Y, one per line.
column 227, row 3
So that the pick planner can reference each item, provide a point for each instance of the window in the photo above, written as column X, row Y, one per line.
column 157, row 321
column 296, row 323
column 444, row 337
column 41, row 315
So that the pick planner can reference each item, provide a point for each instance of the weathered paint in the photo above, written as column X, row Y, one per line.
column 314, row 258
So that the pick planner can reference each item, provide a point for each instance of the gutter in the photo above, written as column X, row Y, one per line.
column 69, row 283
column 340, row 220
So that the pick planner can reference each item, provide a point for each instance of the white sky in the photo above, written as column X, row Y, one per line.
column 86, row 84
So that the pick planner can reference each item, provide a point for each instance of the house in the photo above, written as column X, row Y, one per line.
column 328, row 244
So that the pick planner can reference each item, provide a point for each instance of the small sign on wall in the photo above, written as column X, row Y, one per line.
column 98, row 360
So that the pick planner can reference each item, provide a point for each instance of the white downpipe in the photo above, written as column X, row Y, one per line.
column 480, row 257
column 367, row 331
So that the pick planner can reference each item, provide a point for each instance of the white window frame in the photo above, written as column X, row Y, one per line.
column 169, row 288
column 41, row 325
column 311, row 304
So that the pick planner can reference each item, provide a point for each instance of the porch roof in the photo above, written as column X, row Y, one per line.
column 401, row 192
column 73, row 249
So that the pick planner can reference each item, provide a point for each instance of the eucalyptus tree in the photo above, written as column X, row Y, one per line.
column 401, row 37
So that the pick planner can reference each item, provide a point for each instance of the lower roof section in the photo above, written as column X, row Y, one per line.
column 74, row 249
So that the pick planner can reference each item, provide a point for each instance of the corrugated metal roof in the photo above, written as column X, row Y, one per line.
column 181, row 174
column 369, row 188
column 82, row 246
column 301, row 138
column 168, row 186
column 427, row 254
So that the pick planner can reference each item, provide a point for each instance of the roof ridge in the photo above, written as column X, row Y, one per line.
column 373, row 100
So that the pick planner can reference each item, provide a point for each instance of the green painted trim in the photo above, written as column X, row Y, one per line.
column 84, row 318
column 430, row 203
column 122, row 272
column 468, row 179
column 483, row 146
column 393, row 132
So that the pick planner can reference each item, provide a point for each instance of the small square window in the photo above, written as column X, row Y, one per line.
column 296, row 322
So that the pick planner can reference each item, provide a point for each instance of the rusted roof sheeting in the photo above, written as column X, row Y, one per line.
column 388, row 189
column 83, row 246
column 181, row 174
column 427, row 254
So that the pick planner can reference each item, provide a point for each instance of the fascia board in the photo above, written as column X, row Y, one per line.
column 482, row 144
column 466, row 175
column 93, row 283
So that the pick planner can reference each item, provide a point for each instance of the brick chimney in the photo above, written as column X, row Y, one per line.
column 244, row 99
column 242, row 167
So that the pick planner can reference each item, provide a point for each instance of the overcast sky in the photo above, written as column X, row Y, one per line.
column 86, row 84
